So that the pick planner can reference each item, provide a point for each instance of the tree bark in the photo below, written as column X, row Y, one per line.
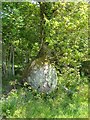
column 4, row 61
column 13, row 71
column 9, row 62
column 42, row 22
column 42, row 29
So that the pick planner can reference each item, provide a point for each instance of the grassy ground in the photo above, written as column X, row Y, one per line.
column 22, row 103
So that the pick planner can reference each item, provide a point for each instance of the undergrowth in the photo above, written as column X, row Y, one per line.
column 24, row 103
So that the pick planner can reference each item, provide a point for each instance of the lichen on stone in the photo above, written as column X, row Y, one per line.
column 43, row 76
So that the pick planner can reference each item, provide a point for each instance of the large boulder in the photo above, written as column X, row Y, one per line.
column 42, row 76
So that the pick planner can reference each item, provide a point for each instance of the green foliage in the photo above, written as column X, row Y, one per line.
column 66, row 31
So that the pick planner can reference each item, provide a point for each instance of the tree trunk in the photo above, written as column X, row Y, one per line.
column 42, row 37
column 13, row 72
column 42, row 22
column 4, row 61
column 9, row 62
column 42, row 27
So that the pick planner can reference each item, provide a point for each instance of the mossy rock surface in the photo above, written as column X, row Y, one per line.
column 42, row 75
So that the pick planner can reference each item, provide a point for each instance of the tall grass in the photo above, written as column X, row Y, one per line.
column 23, row 103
